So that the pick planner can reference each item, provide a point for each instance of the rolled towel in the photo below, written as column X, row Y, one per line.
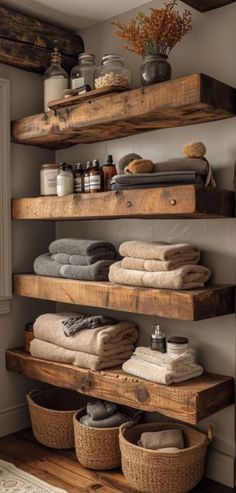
column 100, row 409
column 159, row 265
column 201, row 166
column 103, row 341
column 64, row 258
column 175, row 362
column 156, row 440
column 94, row 272
column 158, row 250
column 117, row 419
column 76, row 246
column 45, row 266
column 52, row 352
column 185, row 277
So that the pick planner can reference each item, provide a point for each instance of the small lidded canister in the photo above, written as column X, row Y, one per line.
column 177, row 345
column 48, row 179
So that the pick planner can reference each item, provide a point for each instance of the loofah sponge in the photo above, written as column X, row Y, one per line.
column 194, row 149
column 124, row 161
column 139, row 166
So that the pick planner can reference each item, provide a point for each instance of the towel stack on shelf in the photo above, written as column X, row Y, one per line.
column 159, row 265
column 73, row 258
column 65, row 338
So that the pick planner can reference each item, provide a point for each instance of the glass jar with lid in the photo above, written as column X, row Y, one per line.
column 56, row 80
column 112, row 73
column 83, row 73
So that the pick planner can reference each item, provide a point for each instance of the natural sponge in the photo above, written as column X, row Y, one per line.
column 194, row 149
column 139, row 166
column 124, row 161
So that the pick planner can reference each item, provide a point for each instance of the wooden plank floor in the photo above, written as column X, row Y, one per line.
column 61, row 468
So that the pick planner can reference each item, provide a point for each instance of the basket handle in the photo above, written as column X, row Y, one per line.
column 210, row 433
column 34, row 391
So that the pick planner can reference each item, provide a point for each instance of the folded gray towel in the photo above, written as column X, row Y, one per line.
column 201, row 166
column 45, row 266
column 94, row 272
column 76, row 246
column 132, row 180
column 65, row 258
column 98, row 409
column 75, row 324
column 117, row 419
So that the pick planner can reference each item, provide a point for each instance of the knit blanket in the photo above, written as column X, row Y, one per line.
column 185, row 277
column 104, row 341
column 146, row 250
column 76, row 246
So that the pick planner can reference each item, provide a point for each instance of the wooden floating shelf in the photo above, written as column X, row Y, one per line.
column 206, row 5
column 212, row 301
column 189, row 100
column 189, row 401
column 181, row 201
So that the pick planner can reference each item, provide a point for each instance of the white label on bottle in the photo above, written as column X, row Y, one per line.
column 48, row 182
column 78, row 82
column 78, row 184
column 95, row 182
column 87, row 183
column 53, row 89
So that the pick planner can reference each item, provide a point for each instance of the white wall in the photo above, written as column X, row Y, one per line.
column 210, row 49
column 28, row 240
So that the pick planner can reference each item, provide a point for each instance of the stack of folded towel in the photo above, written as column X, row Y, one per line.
column 159, row 265
column 86, row 260
column 65, row 338
column 102, row 414
column 162, row 368
column 169, row 441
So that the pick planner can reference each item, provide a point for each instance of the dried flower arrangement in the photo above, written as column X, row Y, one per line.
column 156, row 33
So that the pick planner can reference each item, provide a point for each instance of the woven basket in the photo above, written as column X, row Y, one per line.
column 51, row 414
column 150, row 471
column 98, row 448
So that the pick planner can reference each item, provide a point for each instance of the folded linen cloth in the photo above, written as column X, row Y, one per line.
column 76, row 246
column 176, row 362
column 159, row 250
column 117, row 419
column 45, row 266
column 200, row 166
column 98, row 409
column 156, row 440
column 159, row 265
column 165, row 177
column 52, row 352
column 185, row 277
column 159, row 374
column 102, row 341
column 65, row 258
column 94, row 272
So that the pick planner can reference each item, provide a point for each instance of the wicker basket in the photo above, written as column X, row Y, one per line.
column 98, row 448
column 51, row 414
column 150, row 471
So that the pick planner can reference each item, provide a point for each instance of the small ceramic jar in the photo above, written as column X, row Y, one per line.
column 177, row 345
column 65, row 180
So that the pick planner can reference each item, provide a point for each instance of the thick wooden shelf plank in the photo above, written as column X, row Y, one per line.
column 212, row 301
column 193, row 99
column 205, row 5
column 181, row 201
column 189, row 401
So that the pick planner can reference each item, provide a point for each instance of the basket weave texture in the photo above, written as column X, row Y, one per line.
column 51, row 414
column 150, row 471
column 98, row 448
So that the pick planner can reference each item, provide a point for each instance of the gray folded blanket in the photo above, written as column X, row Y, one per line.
column 94, row 272
column 200, row 166
column 45, row 266
column 116, row 419
column 168, row 177
column 76, row 246
column 65, row 258
column 100, row 409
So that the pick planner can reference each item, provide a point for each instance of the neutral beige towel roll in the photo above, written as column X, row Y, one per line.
column 157, row 250
column 160, row 265
column 185, row 277
column 156, row 440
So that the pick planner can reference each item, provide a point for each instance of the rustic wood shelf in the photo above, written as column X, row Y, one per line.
column 181, row 201
column 206, row 5
column 189, row 100
column 198, row 304
column 189, row 401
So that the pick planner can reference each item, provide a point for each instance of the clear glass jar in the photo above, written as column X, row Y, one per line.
column 56, row 80
column 83, row 73
column 112, row 73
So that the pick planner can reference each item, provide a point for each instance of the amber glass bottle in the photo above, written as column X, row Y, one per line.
column 96, row 178
column 109, row 171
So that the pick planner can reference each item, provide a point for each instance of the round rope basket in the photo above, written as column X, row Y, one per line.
column 51, row 414
column 150, row 471
column 98, row 448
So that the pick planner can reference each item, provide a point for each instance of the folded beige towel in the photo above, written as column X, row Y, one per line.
column 52, row 352
column 174, row 362
column 103, row 341
column 155, row 440
column 160, row 265
column 185, row 277
column 158, row 250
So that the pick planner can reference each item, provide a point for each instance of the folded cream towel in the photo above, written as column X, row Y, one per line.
column 158, row 374
column 52, row 352
column 158, row 250
column 103, row 341
column 174, row 362
column 185, row 277
column 160, row 265
column 155, row 440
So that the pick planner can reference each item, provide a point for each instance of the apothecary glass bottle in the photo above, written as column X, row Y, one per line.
column 83, row 73
column 112, row 73
column 56, row 80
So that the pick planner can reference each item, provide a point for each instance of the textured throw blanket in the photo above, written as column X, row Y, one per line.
column 159, row 251
column 65, row 258
column 160, row 265
column 45, row 266
column 76, row 246
column 185, row 277
column 103, row 341
column 156, row 440
column 52, row 352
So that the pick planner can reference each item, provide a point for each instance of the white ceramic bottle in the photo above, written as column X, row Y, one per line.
column 56, row 80
column 65, row 180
